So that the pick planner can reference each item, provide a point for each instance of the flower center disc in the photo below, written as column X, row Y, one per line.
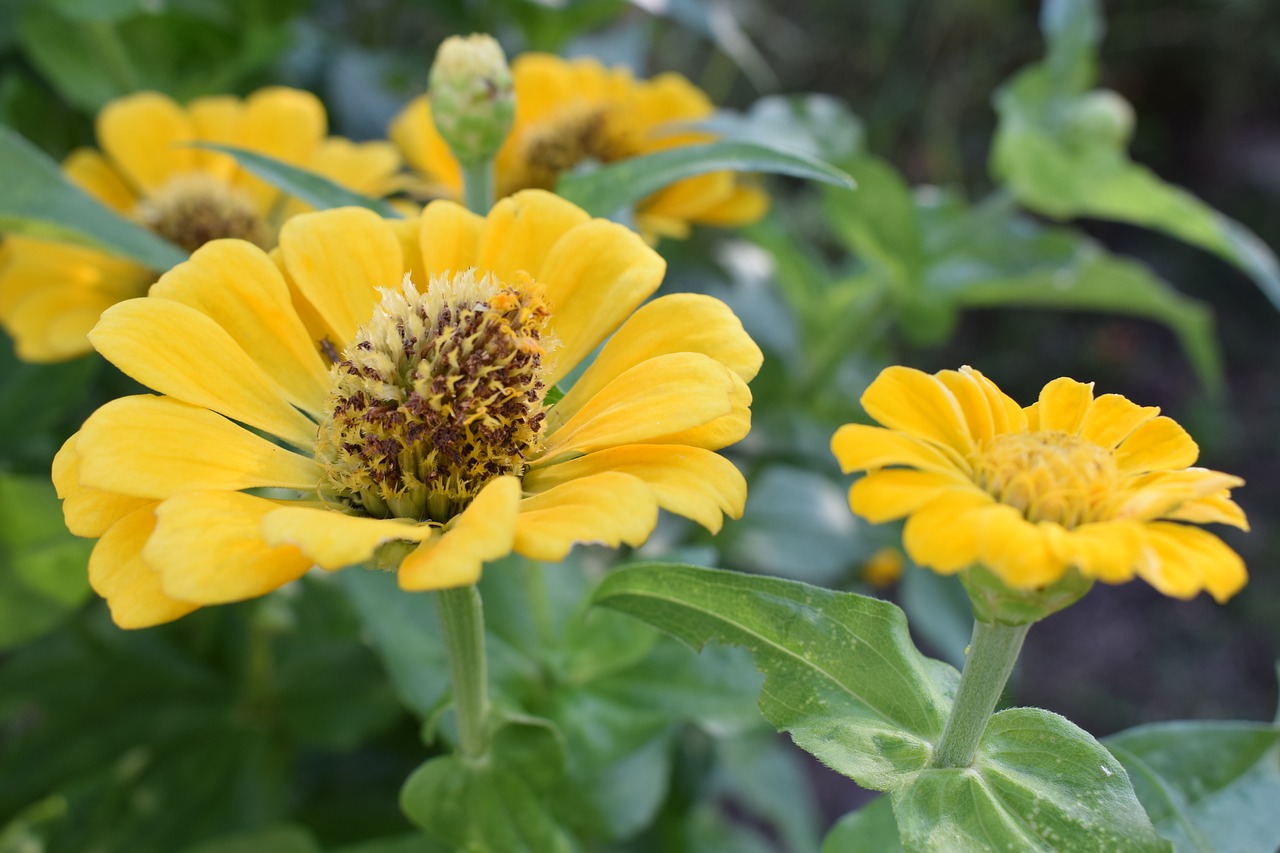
column 1048, row 476
column 574, row 136
column 438, row 394
column 190, row 210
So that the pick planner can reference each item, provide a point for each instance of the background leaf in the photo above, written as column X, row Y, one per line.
column 870, row 829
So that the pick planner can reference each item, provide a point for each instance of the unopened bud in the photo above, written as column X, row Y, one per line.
column 473, row 100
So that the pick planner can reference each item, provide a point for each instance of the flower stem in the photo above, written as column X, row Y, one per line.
column 477, row 186
column 462, row 620
column 992, row 654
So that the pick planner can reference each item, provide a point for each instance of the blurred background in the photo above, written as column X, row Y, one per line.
column 910, row 83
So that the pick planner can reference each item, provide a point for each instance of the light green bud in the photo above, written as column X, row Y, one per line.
column 473, row 100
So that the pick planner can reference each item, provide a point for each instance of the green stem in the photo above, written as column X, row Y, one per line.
column 992, row 654
column 462, row 620
column 477, row 186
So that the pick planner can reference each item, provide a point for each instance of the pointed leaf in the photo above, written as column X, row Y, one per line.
column 618, row 186
column 39, row 201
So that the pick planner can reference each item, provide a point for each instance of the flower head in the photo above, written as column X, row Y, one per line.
column 1100, row 485
column 577, row 112
column 51, row 294
column 378, row 392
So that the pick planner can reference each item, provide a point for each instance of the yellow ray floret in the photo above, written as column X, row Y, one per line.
column 1096, row 484
column 364, row 396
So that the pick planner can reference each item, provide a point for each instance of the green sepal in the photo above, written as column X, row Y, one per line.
column 997, row 603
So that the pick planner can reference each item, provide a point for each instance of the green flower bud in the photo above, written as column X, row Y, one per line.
column 473, row 101
column 1102, row 115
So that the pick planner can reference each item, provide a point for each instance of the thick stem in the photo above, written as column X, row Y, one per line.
column 992, row 654
column 477, row 186
column 462, row 621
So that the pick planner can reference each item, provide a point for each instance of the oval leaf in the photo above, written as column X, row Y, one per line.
column 39, row 201
column 621, row 185
column 320, row 193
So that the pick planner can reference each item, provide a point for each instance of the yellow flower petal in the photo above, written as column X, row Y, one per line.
column 688, row 481
column 237, row 285
column 90, row 171
column 595, row 275
column 973, row 400
column 483, row 532
column 154, row 447
column 88, row 512
column 656, row 398
column 450, row 238
column 1006, row 414
column 520, row 231
column 1158, row 444
column 415, row 134
column 334, row 540
column 1214, row 509
column 859, row 448
column 943, row 534
column 208, row 548
column 719, row 432
column 118, row 573
column 287, row 124
column 1180, row 561
column 683, row 322
column 1064, row 404
column 179, row 351
column 609, row 508
column 746, row 204
column 216, row 119
column 146, row 135
column 338, row 260
column 914, row 402
column 1106, row 550
column 1112, row 418
column 1023, row 554
column 894, row 492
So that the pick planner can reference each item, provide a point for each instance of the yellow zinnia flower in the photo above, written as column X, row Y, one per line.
column 51, row 294
column 393, row 376
column 1100, row 485
column 576, row 111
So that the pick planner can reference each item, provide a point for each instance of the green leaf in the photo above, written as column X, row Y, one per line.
column 99, row 10
column 621, row 185
column 878, row 222
column 938, row 608
column 870, row 829
column 321, row 193
column 1038, row 783
column 1062, row 150
column 1210, row 787
column 841, row 674
column 274, row 839
column 38, row 201
column 43, row 574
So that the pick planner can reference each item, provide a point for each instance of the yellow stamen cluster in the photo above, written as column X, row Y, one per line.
column 1048, row 476
column 438, row 394
column 195, row 208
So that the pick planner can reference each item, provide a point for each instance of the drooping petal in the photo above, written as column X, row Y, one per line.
column 914, row 402
column 338, row 260
column 146, row 135
column 520, row 231
column 1064, row 404
column 1212, row 509
column 1020, row 552
column 688, row 481
column 483, row 532
column 236, row 284
column 859, row 448
column 595, row 275
column 943, row 534
column 154, row 447
column 682, row 322
column 450, row 238
column 88, row 512
column 334, row 540
column 118, row 573
column 1180, row 560
column 1159, row 444
column 609, row 508
column 895, row 492
column 208, row 548
column 180, row 351
column 653, row 399
column 1105, row 550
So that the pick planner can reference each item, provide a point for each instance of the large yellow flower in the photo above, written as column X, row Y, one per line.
column 577, row 111
column 51, row 294
column 394, row 378
column 1102, row 485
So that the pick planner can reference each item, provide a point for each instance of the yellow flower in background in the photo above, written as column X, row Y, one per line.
column 1099, row 484
column 393, row 378
column 51, row 294
column 571, row 112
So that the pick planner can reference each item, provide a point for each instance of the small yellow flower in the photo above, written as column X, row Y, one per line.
column 393, row 379
column 51, row 294
column 570, row 112
column 883, row 568
column 1100, row 485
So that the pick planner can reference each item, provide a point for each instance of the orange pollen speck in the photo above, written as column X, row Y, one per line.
column 1048, row 476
